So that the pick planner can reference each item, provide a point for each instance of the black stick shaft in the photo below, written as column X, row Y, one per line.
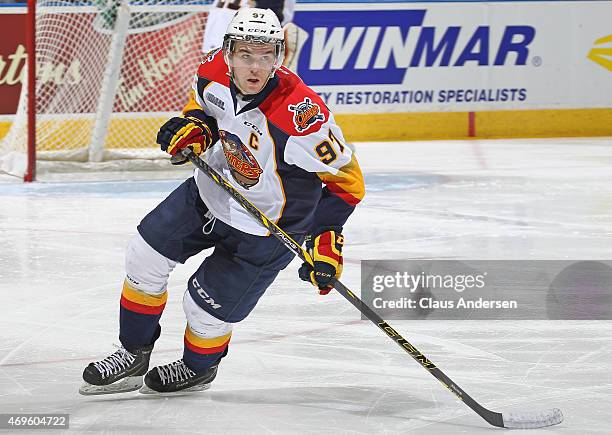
column 491, row 417
column 494, row 418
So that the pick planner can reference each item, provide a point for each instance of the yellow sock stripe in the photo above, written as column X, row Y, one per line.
column 139, row 297
column 206, row 342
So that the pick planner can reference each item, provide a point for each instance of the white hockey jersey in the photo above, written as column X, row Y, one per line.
column 277, row 149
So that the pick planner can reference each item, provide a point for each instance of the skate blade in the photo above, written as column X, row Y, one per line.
column 196, row 388
column 131, row 383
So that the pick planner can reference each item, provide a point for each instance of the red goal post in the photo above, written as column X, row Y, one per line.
column 108, row 73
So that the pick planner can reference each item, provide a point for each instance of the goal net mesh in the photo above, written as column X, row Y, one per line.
column 109, row 73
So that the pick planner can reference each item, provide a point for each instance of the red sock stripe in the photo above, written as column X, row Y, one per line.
column 141, row 309
column 205, row 350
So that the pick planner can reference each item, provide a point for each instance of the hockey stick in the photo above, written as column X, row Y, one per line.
column 515, row 420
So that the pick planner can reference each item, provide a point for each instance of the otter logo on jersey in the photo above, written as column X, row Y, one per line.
column 242, row 164
column 305, row 114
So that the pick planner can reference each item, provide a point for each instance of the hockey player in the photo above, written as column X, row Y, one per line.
column 274, row 139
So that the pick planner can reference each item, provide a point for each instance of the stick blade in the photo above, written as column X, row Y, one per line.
column 531, row 419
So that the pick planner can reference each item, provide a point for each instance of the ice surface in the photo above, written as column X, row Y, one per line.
column 306, row 364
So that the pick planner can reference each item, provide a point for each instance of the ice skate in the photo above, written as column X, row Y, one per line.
column 177, row 377
column 117, row 373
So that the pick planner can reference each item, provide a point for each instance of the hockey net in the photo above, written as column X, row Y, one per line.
column 109, row 73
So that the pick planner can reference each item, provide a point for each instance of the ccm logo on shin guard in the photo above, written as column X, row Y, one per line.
column 209, row 300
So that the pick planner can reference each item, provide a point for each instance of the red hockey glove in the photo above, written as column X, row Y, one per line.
column 179, row 133
column 326, row 252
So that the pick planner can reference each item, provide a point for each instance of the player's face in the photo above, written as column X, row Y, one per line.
column 252, row 65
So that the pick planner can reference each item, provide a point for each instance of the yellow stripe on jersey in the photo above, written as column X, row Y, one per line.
column 278, row 176
column 347, row 183
column 192, row 104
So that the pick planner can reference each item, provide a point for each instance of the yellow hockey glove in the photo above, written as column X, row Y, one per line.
column 179, row 133
column 326, row 252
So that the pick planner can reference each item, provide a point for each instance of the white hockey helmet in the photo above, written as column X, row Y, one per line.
column 258, row 26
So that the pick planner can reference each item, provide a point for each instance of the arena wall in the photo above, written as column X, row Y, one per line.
column 400, row 70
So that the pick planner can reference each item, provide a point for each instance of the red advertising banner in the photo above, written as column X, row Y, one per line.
column 12, row 60
column 157, row 66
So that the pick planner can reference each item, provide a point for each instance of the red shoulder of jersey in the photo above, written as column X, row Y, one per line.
column 294, row 107
column 214, row 68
